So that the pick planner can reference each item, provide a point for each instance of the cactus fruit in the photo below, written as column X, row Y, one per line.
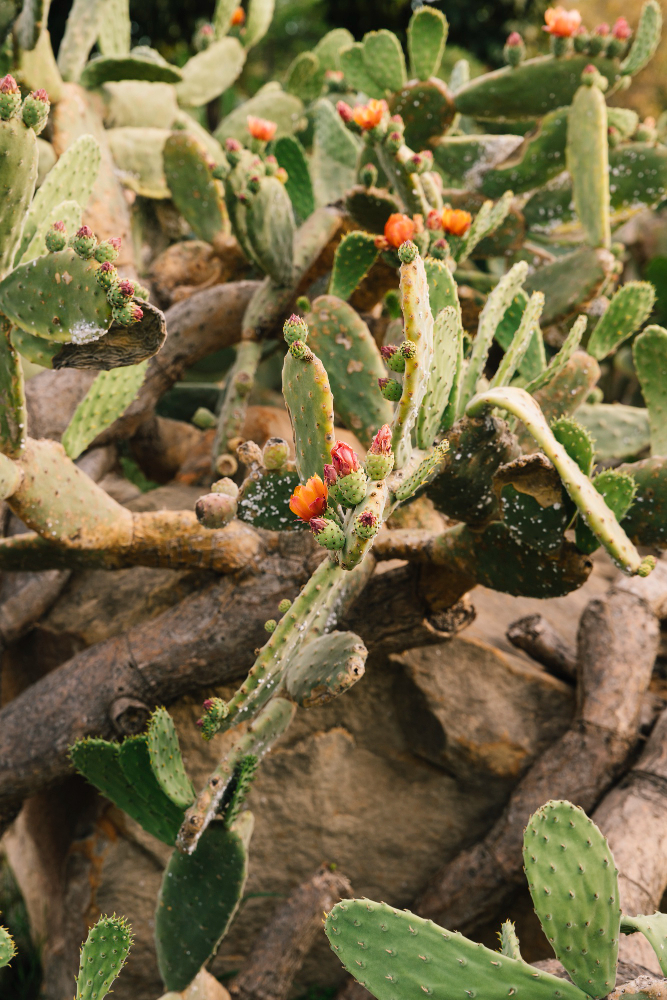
column 103, row 955
column 215, row 510
column 166, row 760
column 36, row 110
column 327, row 533
column 325, row 668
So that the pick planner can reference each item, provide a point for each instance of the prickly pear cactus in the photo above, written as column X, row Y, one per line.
column 103, row 955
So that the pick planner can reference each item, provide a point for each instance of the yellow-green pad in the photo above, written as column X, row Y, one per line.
column 447, row 340
column 103, row 955
column 137, row 153
column 427, row 35
column 140, row 64
column 13, row 412
column 588, row 163
column 650, row 357
column 356, row 73
column 335, row 153
column 573, row 883
column 310, row 406
column 325, row 668
column 68, row 212
column 199, row 896
column 305, row 77
column 196, row 193
column 646, row 40
column 7, row 947
column 18, row 175
column 576, row 440
column 166, row 759
column 542, row 157
column 107, row 399
column 208, row 73
column 654, row 929
column 534, row 360
column 329, row 48
column 619, row 490
column 57, row 297
column 397, row 955
column 628, row 310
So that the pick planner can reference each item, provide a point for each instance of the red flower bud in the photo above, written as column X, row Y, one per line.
column 60, row 226
column 85, row 231
column 344, row 459
column 602, row 29
column 115, row 242
column 8, row 85
column 388, row 350
column 514, row 38
column 345, row 111
column 317, row 524
column 621, row 29
column 208, row 705
column 381, row 444
column 40, row 95
column 330, row 475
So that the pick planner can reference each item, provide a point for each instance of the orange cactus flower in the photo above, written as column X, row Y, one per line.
column 398, row 228
column 369, row 115
column 238, row 17
column 309, row 499
column 261, row 128
column 560, row 22
column 455, row 221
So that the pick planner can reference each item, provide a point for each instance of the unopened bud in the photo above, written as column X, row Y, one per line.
column 284, row 606
column 119, row 294
column 215, row 510
column 36, row 110
column 270, row 626
column 300, row 351
column 275, row 453
column 107, row 276
column 108, row 250
column 515, row 49
column 390, row 389
column 369, row 175
column 56, row 237
column 295, row 328
column 84, row 242
column 226, row 486
column 345, row 111
column 128, row 314
column 408, row 252
column 10, row 97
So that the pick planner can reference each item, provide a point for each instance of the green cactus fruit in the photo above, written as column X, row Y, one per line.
column 300, row 351
column 166, row 760
column 271, row 227
column 570, row 282
column 35, row 110
column 379, row 466
column 647, row 37
column 370, row 207
column 7, row 947
column 199, row 896
column 629, row 309
column 291, row 156
column 352, row 488
column 356, row 73
column 536, row 161
column 55, row 237
column 195, row 192
column 364, row 524
column 309, row 403
column 107, row 277
column 427, row 36
column 353, row 363
column 208, row 74
column 142, row 63
column 574, row 886
column 13, row 412
column 530, row 90
column 103, row 955
column 529, row 327
column 509, row 942
column 115, row 29
column 327, row 533
column 447, row 344
column 56, row 297
column 588, row 163
column 335, row 154
column 128, row 785
column 576, row 440
column 127, row 314
column 275, row 454
column 325, row 668
column 355, row 255
column 650, row 358
column 367, row 524
column 238, row 788
column 295, row 328
column 619, row 431
column 654, row 929
column 384, row 60
column 395, row 954
column 394, row 358
column 426, row 107
column 533, row 362
column 619, row 490
column 107, row 251
column 18, row 175
column 83, row 242
column 270, row 625
column 305, row 77
column 10, row 98
column 107, row 399
column 121, row 293
column 391, row 389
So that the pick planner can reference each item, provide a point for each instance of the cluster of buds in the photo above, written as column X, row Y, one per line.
column 274, row 170
column 397, row 229
column 363, row 117
column 380, row 457
column 261, row 129
column 35, row 108
column 215, row 711
column 452, row 221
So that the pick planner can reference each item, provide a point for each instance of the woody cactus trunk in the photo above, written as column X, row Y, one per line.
column 417, row 284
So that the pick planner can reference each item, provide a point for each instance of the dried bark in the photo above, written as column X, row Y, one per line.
column 281, row 948
column 617, row 646
column 537, row 637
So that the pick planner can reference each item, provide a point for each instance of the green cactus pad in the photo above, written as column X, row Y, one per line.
column 539, row 158
column 574, row 886
column 353, row 363
column 140, row 64
column 13, row 412
column 442, row 288
column 100, row 763
column 530, row 90
column 18, row 175
column 68, row 212
column 357, row 76
column 310, row 406
column 619, row 490
column 196, row 194
column 166, row 760
column 509, row 942
column 529, row 523
column 628, row 310
column 71, row 179
column 588, row 163
column 35, row 349
column 384, row 59
column 199, row 896
column 426, row 107
column 650, row 356
column 107, row 399
column 57, row 297
column 210, row 72
column 654, row 929
column 570, row 282
column 488, row 219
column 264, row 500
column 115, row 30
column 647, row 37
column 528, row 329
column 576, row 440
column 396, row 954
column 258, row 21
column 80, row 35
column 355, row 255
column 325, row 668
column 269, row 102
column 140, row 104
column 427, row 36
column 103, row 955
column 7, row 947
column 619, row 431
column 447, row 342
column 534, row 360
column 235, row 185
column 646, row 523
column 329, row 48
column 371, row 207
column 564, row 374
column 271, row 228
column 466, row 159
column 135, row 763
column 137, row 155
column 121, row 346
column 335, row 153
column 305, row 77
column 291, row 155
column 418, row 330
column 29, row 23
column 237, row 790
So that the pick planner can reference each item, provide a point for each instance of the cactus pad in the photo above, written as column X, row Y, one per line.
column 122, row 345
column 196, row 194
column 396, row 954
column 199, row 896
column 35, row 349
column 447, row 343
column 574, row 886
column 426, row 107
column 534, row 360
column 291, row 155
column 18, row 175
column 264, row 500
column 384, row 60
column 588, row 163
column 371, row 207
column 618, row 431
column 650, row 357
column 619, row 490
column 570, row 282
column 140, row 64
column 67, row 212
column 646, row 38
column 13, row 413
column 335, row 153
column 103, row 955
column 310, row 405
column 271, row 226
column 269, row 102
column 654, row 929
column 7, row 947
column 357, row 75
column 208, row 73
column 107, row 399
column 166, row 760
column 427, row 35
column 325, row 668
column 576, row 440
column 355, row 255
column 628, row 310
column 305, row 77
column 537, row 160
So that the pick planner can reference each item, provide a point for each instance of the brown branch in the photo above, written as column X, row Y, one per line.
column 537, row 637
column 281, row 948
column 618, row 641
